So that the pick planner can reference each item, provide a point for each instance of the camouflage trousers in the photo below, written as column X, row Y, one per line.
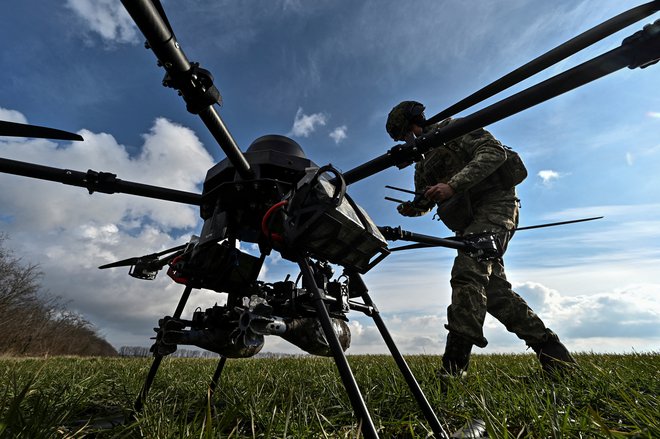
column 479, row 287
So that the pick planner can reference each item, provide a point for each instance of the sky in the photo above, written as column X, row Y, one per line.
column 326, row 73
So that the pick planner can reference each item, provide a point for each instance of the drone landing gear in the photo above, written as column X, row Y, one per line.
column 158, row 357
column 354, row 394
column 319, row 301
column 216, row 375
column 417, row 392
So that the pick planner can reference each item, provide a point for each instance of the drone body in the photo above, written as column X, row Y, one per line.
column 235, row 210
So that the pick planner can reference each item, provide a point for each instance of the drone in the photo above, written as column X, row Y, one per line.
column 273, row 196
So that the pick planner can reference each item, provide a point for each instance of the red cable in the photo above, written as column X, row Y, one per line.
column 276, row 237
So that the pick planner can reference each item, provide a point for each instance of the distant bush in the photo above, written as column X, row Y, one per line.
column 36, row 323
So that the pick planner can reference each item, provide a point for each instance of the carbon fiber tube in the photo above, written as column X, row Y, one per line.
column 551, row 57
column 97, row 182
column 633, row 53
column 163, row 42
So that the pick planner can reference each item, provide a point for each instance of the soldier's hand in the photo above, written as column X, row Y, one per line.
column 439, row 192
column 407, row 209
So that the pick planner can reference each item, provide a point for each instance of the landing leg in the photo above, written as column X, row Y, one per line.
column 216, row 376
column 358, row 286
column 139, row 402
column 359, row 406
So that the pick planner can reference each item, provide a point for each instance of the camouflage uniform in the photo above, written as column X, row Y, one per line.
column 468, row 164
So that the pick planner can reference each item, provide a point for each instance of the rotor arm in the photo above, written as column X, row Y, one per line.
column 396, row 233
column 639, row 50
column 482, row 246
column 551, row 57
column 104, row 182
column 194, row 84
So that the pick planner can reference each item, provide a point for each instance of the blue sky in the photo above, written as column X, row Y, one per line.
column 327, row 73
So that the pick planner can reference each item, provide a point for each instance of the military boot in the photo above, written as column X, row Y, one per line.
column 455, row 360
column 554, row 357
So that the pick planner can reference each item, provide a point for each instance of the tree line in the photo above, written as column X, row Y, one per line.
column 142, row 351
column 36, row 323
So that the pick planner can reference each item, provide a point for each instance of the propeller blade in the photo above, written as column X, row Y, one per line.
column 551, row 57
column 135, row 260
column 538, row 226
column 123, row 263
column 561, row 223
column 408, row 191
column 14, row 129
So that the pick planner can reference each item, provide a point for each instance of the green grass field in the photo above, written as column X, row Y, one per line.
column 612, row 396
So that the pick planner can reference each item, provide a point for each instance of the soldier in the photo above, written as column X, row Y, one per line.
column 465, row 179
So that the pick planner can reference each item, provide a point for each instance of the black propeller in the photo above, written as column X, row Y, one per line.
column 147, row 267
column 14, row 129
column 138, row 259
column 442, row 241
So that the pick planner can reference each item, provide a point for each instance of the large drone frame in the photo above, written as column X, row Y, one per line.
column 195, row 85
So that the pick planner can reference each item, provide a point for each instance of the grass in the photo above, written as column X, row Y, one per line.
column 612, row 396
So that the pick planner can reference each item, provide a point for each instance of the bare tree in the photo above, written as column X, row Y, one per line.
column 37, row 323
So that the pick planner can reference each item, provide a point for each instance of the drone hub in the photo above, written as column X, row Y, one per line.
column 229, row 200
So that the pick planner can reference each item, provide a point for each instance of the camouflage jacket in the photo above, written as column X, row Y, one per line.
column 467, row 164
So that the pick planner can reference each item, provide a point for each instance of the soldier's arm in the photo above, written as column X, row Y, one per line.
column 487, row 155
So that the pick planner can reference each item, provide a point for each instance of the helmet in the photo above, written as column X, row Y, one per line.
column 402, row 116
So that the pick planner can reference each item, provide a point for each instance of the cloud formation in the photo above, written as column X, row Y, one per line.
column 69, row 233
column 107, row 18
column 630, row 316
column 548, row 176
column 338, row 134
column 12, row 116
column 632, row 312
column 306, row 124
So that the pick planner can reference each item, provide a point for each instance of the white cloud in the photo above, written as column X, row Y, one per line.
column 642, row 153
column 69, row 233
column 616, row 321
column 548, row 176
column 107, row 18
column 632, row 312
column 306, row 124
column 12, row 116
column 356, row 327
column 338, row 134
column 654, row 114
column 172, row 157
